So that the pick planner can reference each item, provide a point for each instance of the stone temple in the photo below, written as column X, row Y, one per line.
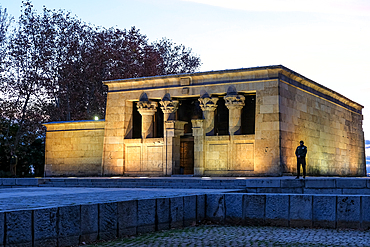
column 242, row 122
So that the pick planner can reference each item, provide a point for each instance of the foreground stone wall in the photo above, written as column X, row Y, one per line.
column 329, row 124
column 74, row 148
column 328, row 211
column 73, row 225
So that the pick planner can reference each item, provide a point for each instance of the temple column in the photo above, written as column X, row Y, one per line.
column 208, row 106
column 235, row 104
column 199, row 135
column 169, row 107
column 172, row 132
column 147, row 109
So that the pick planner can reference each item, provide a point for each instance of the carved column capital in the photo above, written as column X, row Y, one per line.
column 234, row 101
column 146, row 107
column 208, row 103
column 169, row 106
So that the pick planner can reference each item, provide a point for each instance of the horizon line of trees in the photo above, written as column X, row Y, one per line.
column 51, row 69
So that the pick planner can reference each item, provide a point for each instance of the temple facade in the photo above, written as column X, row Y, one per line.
column 242, row 122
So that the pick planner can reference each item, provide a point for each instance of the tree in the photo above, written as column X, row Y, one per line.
column 24, row 87
column 56, row 64
column 5, row 21
column 175, row 59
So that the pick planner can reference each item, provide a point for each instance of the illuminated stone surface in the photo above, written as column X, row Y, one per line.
column 267, row 110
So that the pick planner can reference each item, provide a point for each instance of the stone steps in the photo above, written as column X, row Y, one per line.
column 312, row 185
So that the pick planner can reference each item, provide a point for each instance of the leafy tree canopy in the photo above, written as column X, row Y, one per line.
column 52, row 66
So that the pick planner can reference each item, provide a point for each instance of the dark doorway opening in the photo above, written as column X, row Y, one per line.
column 188, row 109
column 221, row 118
column 136, row 122
column 248, row 120
column 158, row 122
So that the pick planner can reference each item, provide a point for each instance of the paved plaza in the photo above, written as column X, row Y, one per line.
column 204, row 234
column 209, row 235
column 45, row 197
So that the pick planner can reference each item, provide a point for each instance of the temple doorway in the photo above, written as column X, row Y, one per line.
column 187, row 155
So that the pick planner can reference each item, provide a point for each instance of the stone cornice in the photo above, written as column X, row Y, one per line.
column 235, row 76
column 75, row 125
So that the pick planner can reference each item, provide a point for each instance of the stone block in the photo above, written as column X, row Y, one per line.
column 45, row 227
column 348, row 211
column 2, row 228
column 27, row 181
column 365, row 191
column 190, row 210
column 146, row 210
column 354, row 183
column 176, row 212
column 215, row 207
column 277, row 210
column 273, row 190
column 365, row 203
column 254, row 209
column 292, row 183
column 8, row 181
column 108, row 214
column 262, row 183
column 201, row 207
column 18, row 227
column 300, row 207
column 292, row 190
column 248, row 190
column 163, row 214
column 69, row 225
column 127, row 218
column 324, row 211
column 320, row 183
column 322, row 191
column 234, row 208
column 89, row 223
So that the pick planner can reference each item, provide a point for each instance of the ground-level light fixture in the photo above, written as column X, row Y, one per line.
column 96, row 118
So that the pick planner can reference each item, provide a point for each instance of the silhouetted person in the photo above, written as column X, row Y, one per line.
column 301, row 152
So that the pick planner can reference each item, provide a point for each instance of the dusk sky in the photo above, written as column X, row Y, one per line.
column 327, row 41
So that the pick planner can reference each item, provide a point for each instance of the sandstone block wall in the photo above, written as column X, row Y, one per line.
column 117, row 120
column 288, row 108
column 330, row 128
column 145, row 156
column 226, row 155
column 74, row 148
